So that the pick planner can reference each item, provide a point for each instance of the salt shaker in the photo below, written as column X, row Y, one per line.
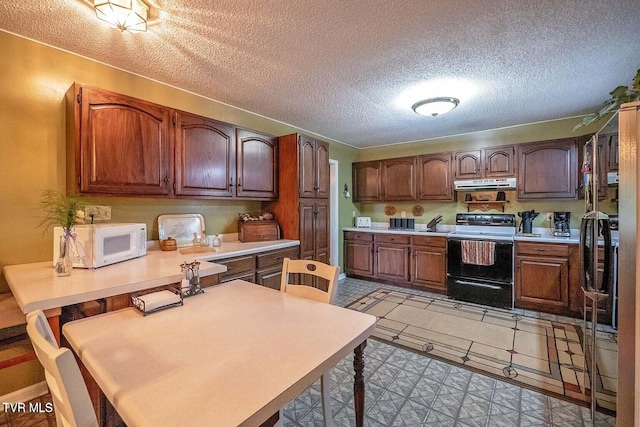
column 216, row 241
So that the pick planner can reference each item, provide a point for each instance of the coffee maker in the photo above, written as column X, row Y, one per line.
column 561, row 224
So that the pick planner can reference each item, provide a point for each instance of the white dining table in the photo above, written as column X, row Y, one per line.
column 233, row 356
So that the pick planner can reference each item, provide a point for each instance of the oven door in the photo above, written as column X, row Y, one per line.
column 481, row 284
column 500, row 271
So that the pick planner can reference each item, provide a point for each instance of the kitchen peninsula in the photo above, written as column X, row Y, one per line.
column 35, row 286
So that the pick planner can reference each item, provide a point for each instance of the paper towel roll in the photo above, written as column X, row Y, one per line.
column 158, row 299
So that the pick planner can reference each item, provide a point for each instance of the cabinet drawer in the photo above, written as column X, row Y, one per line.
column 211, row 280
column 433, row 241
column 357, row 235
column 236, row 266
column 545, row 249
column 396, row 239
column 269, row 259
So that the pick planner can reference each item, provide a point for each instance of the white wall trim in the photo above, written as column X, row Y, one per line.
column 333, row 211
column 26, row 394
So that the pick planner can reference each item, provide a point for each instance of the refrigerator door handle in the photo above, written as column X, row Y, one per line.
column 606, row 274
column 594, row 224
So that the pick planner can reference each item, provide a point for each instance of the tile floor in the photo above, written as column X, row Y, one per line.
column 404, row 388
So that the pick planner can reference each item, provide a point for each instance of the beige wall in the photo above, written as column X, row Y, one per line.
column 34, row 81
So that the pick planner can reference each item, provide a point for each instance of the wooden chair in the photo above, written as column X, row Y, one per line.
column 69, row 393
column 330, row 273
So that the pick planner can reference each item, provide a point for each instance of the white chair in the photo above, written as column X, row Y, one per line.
column 69, row 393
column 330, row 274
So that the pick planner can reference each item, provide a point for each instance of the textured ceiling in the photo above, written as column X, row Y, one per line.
column 350, row 70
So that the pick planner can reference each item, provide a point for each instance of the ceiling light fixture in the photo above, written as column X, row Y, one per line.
column 435, row 106
column 125, row 15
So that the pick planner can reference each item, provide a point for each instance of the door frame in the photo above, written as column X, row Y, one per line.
column 333, row 212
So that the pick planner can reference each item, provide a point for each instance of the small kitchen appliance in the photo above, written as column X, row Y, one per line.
column 526, row 225
column 98, row 245
column 363, row 222
column 561, row 224
column 402, row 223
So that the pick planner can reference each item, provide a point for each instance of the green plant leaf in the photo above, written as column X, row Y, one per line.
column 636, row 82
column 619, row 96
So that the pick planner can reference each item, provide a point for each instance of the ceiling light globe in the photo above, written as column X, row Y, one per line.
column 435, row 106
column 126, row 15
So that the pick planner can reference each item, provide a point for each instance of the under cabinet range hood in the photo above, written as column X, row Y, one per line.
column 485, row 184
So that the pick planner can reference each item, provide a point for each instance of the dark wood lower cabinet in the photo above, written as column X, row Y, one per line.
column 542, row 277
column 264, row 268
column 418, row 261
column 542, row 283
column 429, row 263
column 358, row 254
column 391, row 260
column 548, row 278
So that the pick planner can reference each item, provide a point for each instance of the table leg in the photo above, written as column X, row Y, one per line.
column 358, row 383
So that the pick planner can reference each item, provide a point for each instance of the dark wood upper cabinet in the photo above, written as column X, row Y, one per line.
column 367, row 181
column 257, row 161
column 492, row 162
column 313, row 168
column 399, row 178
column 500, row 161
column 205, row 153
column 118, row 144
column 548, row 170
column 468, row 164
column 435, row 172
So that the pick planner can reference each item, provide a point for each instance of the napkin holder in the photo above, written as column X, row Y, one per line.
column 157, row 301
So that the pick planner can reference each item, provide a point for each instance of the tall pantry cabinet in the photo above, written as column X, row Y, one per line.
column 302, row 208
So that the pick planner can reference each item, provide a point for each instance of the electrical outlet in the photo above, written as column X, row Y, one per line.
column 97, row 213
column 550, row 216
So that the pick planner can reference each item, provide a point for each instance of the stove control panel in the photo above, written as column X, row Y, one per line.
column 508, row 220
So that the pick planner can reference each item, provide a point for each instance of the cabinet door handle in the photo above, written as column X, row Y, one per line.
column 230, row 182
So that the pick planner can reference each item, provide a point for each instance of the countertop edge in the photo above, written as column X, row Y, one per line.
column 517, row 238
column 33, row 284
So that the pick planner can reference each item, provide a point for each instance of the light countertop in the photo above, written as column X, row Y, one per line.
column 36, row 286
column 540, row 235
column 441, row 231
column 235, row 248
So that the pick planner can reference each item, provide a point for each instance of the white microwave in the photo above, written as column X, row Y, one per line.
column 97, row 245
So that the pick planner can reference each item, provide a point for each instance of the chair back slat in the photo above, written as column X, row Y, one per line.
column 69, row 394
column 314, row 268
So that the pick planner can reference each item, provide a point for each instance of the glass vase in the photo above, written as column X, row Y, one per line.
column 64, row 264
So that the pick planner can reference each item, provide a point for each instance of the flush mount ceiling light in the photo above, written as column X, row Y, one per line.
column 435, row 106
column 125, row 15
